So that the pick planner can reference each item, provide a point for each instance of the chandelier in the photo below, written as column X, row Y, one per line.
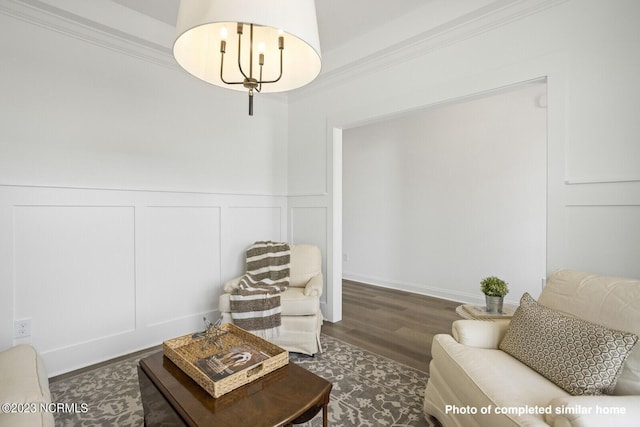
column 276, row 43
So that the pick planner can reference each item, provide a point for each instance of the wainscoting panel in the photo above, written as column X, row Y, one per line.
column 74, row 273
column 246, row 225
column 180, row 260
column 604, row 239
column 102, row 273
column 309, row 225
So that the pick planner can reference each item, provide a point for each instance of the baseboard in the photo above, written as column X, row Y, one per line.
column 415, row 288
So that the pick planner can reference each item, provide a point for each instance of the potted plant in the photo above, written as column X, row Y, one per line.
column 494, row 290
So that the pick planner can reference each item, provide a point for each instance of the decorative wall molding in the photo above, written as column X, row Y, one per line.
column 318, row 235
column 319, row 194
column 75, row 26
column 581, row 181
column 484, row 20
column 603, row 205
column 209, row 314
column 143, row 190
column 165, row 244
column 62, row 253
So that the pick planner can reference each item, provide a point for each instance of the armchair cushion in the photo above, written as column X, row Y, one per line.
column 296, row 303
column 581, row 357
column 293, row 302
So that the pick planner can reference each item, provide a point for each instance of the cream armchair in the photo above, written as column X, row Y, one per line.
column 473, row 382
column 300, row 303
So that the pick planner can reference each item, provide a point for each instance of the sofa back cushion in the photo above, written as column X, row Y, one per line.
column 306, row 262
column 610, row 301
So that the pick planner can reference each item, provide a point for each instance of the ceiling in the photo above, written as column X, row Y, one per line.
column 339, row 21
column 352, row 32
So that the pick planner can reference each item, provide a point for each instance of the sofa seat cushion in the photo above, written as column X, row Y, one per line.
column 581, row 357
column 483, row 377
column 23, row 379
column 293, row 302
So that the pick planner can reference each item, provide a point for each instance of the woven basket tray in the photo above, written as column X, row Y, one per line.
column 185, row 351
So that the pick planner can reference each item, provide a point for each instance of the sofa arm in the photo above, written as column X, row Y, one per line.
column 314, row 286
column 479, row 333
column 594, row 411
column 23, row 379
column 232, row 284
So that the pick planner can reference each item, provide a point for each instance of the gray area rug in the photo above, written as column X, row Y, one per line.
column 368, row 390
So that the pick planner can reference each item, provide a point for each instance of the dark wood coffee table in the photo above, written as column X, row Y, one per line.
column 286, row 396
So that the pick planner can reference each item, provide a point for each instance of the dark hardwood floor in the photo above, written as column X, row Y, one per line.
column 395, row 324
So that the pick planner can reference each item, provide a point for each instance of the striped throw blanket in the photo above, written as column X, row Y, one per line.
column 255, row 304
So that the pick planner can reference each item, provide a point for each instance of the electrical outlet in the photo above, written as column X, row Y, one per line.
column 22, row 328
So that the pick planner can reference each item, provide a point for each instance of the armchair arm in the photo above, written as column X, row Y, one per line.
column 232, row 284
column 594, row 411
column 480, row 333
column 314, row 286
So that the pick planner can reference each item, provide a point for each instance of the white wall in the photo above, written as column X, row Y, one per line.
column 587, row 51
column 94, row 135
column 129, row 190
column 76, row 114
column 102, row 273
column 437, row 199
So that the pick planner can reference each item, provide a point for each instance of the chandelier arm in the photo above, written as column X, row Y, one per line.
column 271, row 81
column 259, row 88
column 221, row 68
column 250, row 51
column 222, row 78
column 239, row 50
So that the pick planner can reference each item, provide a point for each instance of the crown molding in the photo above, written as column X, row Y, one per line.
column 471, row 25
column 497, row 14
column 52, row 18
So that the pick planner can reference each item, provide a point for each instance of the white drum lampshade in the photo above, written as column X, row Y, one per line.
column 286, row 28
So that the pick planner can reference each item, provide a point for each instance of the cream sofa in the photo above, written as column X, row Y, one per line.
column 23, row 387
column 473, row 383
column 300, row 303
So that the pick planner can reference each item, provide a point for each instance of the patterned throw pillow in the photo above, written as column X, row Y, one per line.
column 581, row 357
